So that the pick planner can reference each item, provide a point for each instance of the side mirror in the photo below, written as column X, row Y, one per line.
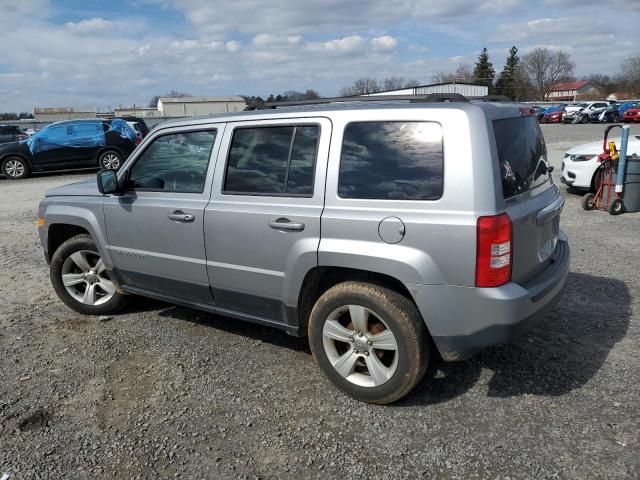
column 108, row 182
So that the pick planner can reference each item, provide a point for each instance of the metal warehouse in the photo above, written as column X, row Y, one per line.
column 190, row 106
column 466, row 89
column 57, row 114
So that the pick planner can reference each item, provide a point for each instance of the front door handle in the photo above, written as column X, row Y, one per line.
column 180, row 216
column 286, row 224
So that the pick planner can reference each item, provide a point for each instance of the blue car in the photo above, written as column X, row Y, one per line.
column 69, row 145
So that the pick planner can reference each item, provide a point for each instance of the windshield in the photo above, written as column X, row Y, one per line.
column 522, row 154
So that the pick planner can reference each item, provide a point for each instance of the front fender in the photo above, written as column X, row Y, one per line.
column 89, row 216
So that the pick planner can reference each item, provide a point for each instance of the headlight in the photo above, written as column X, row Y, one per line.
column 581, row 158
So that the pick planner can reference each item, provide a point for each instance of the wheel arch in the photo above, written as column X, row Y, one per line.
column 110, row 148
column 321, row 278
column 66, row 221
column 19, row 155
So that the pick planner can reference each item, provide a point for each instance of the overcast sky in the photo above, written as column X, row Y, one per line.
column 110, row 53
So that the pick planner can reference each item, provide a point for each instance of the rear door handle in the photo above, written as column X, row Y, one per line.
column 180, row 216
column 286, row 224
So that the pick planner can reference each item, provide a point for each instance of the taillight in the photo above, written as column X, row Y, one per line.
column 494, row 251
column 22, row 136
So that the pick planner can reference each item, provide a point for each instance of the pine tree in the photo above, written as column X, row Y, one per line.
column 509, row 82
column 483, row 72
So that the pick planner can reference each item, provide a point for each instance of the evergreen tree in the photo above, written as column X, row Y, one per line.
column 483, row 72
column 510, row 79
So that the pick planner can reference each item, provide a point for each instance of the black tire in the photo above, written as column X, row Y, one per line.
column 399, row 315
column 110, row 160
column 584, row 119
column 76, row 244
column 615, row 118
column 588, row 201
column 616, row 207
column 595, row 185
column 15, row 168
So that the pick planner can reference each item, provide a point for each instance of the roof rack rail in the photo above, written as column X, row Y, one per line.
column 430, row 98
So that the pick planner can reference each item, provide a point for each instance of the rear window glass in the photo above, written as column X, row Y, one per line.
column 391, row 161
column 522, row 154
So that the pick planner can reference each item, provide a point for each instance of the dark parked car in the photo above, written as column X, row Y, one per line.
column 9, row 133
column 144, row 129
column 69, row 145
column 609, row 115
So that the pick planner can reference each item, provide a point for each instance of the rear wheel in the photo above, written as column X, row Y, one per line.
column 588, row 201
column 615, row 118
column 616, row 207
column 15, row 168
column 110, row 160
column 79, row 277
column 371, row 342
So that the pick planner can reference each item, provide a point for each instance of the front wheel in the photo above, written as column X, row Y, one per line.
column 15, row 168
column 81, row 281
column 371, row 342
column 110, row 160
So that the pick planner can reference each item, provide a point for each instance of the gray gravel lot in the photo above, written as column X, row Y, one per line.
column 163, row 391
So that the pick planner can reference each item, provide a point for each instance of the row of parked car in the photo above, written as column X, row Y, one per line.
column 590, row 112
column 72, row 144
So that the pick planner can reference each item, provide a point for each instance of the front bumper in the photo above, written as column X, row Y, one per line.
column 464, row 320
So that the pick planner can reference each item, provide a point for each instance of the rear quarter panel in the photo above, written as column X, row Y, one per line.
column 440, row 240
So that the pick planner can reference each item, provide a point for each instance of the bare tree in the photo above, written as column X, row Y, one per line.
column 463, row 74
column 630, row 73
column 362, row 86
column 545, row 68
column 396, row 83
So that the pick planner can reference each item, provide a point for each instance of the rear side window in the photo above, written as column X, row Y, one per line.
column 276, row 161
column 391, row 161
column 522, row 154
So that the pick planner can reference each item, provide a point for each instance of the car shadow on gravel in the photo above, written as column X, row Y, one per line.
column 238, row 327
column 560, row 355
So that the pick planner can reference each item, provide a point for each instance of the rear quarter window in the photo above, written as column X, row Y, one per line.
column 522, row 154
column 391, row 161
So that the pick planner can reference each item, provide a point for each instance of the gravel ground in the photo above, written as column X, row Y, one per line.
column 162, row 391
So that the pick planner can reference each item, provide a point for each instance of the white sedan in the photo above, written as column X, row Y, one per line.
column 580, row 164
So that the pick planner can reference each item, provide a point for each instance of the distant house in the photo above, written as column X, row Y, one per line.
column 190, row 106
column 573, row 91
column 56, row 114
column 466, row 89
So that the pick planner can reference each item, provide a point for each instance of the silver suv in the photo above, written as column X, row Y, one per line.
column 387, row 230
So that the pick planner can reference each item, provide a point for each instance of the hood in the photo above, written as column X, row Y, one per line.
column 596, row 147
column 79, row 189
column 572, row 108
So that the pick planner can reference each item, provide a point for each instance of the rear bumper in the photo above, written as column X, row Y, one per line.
column 464, row 320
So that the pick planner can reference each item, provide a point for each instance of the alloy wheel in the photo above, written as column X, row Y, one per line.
column 85, row 279
column 14, row 168
column 111, row 161
column 360, row 346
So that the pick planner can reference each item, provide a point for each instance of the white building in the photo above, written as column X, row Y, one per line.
column 191, row 106
column 135, row 111
column 466, row 89
column 57, row 114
